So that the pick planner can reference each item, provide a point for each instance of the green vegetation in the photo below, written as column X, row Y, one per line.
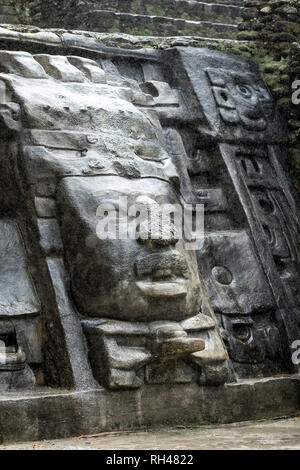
column 274, row 67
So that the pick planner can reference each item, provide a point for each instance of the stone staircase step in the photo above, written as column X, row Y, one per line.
column 106, row 21
column 239, row 3
column 185, row 9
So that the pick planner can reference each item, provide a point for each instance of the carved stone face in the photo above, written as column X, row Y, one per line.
column 242, row 99
column 236, row 282
column 242, row 301
column 139, row 280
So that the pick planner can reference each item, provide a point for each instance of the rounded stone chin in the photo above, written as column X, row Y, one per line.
column 254, row 123
column 144, row 300
column 171, row 303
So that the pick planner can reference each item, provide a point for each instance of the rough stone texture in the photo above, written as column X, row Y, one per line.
column 9, row 12
column 83, row 123
column 274, row 21
column 159, row 17
column 94, row 134
column 275, row 25
column 275, row 434
column 60, row 414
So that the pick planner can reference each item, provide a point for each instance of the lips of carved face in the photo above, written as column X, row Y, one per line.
column 253, row 120
column 162, row 275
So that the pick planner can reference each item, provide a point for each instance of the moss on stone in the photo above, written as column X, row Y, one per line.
column 247, row 35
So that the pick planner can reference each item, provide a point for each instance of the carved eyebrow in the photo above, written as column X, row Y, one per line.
column 112, row 197
column 112, row 205
column 131, row 194
column 242, row 81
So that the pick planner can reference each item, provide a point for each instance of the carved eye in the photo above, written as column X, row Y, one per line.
column 244, row 90
column 242, row 332
column 266, row 206
column 150, row 88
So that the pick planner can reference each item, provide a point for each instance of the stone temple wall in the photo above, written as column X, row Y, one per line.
column 147, row 17
column 8, row 12
column 275, row 21
column 100, row 334
column 268, row 32
column 274, row 27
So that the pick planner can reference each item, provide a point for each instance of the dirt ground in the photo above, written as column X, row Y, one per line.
column 283, row 434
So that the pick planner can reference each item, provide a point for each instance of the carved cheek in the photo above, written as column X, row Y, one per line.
column 230, row 115
column 91, row 278
column 259, row 124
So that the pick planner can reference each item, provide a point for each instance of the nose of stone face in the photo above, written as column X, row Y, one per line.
column 158, row 232
column 162, row 240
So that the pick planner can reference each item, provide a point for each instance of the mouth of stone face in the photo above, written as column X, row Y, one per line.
column 163, row 287
column 162, row 274
column 254, row 118
column 253, row 114
column 166, row 274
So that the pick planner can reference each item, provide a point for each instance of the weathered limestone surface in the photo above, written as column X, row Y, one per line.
column 276, row 21
column 158, row 17
column 8, row 13
column 62, row 414
column 275, row 26
column 124, row 330
column 271, row 26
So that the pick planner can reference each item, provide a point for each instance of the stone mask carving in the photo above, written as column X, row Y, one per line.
column 134, row 280
column 251, row 256
column 143, row 308
column 243, row 303
column 143, row 317
column 242, row 99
